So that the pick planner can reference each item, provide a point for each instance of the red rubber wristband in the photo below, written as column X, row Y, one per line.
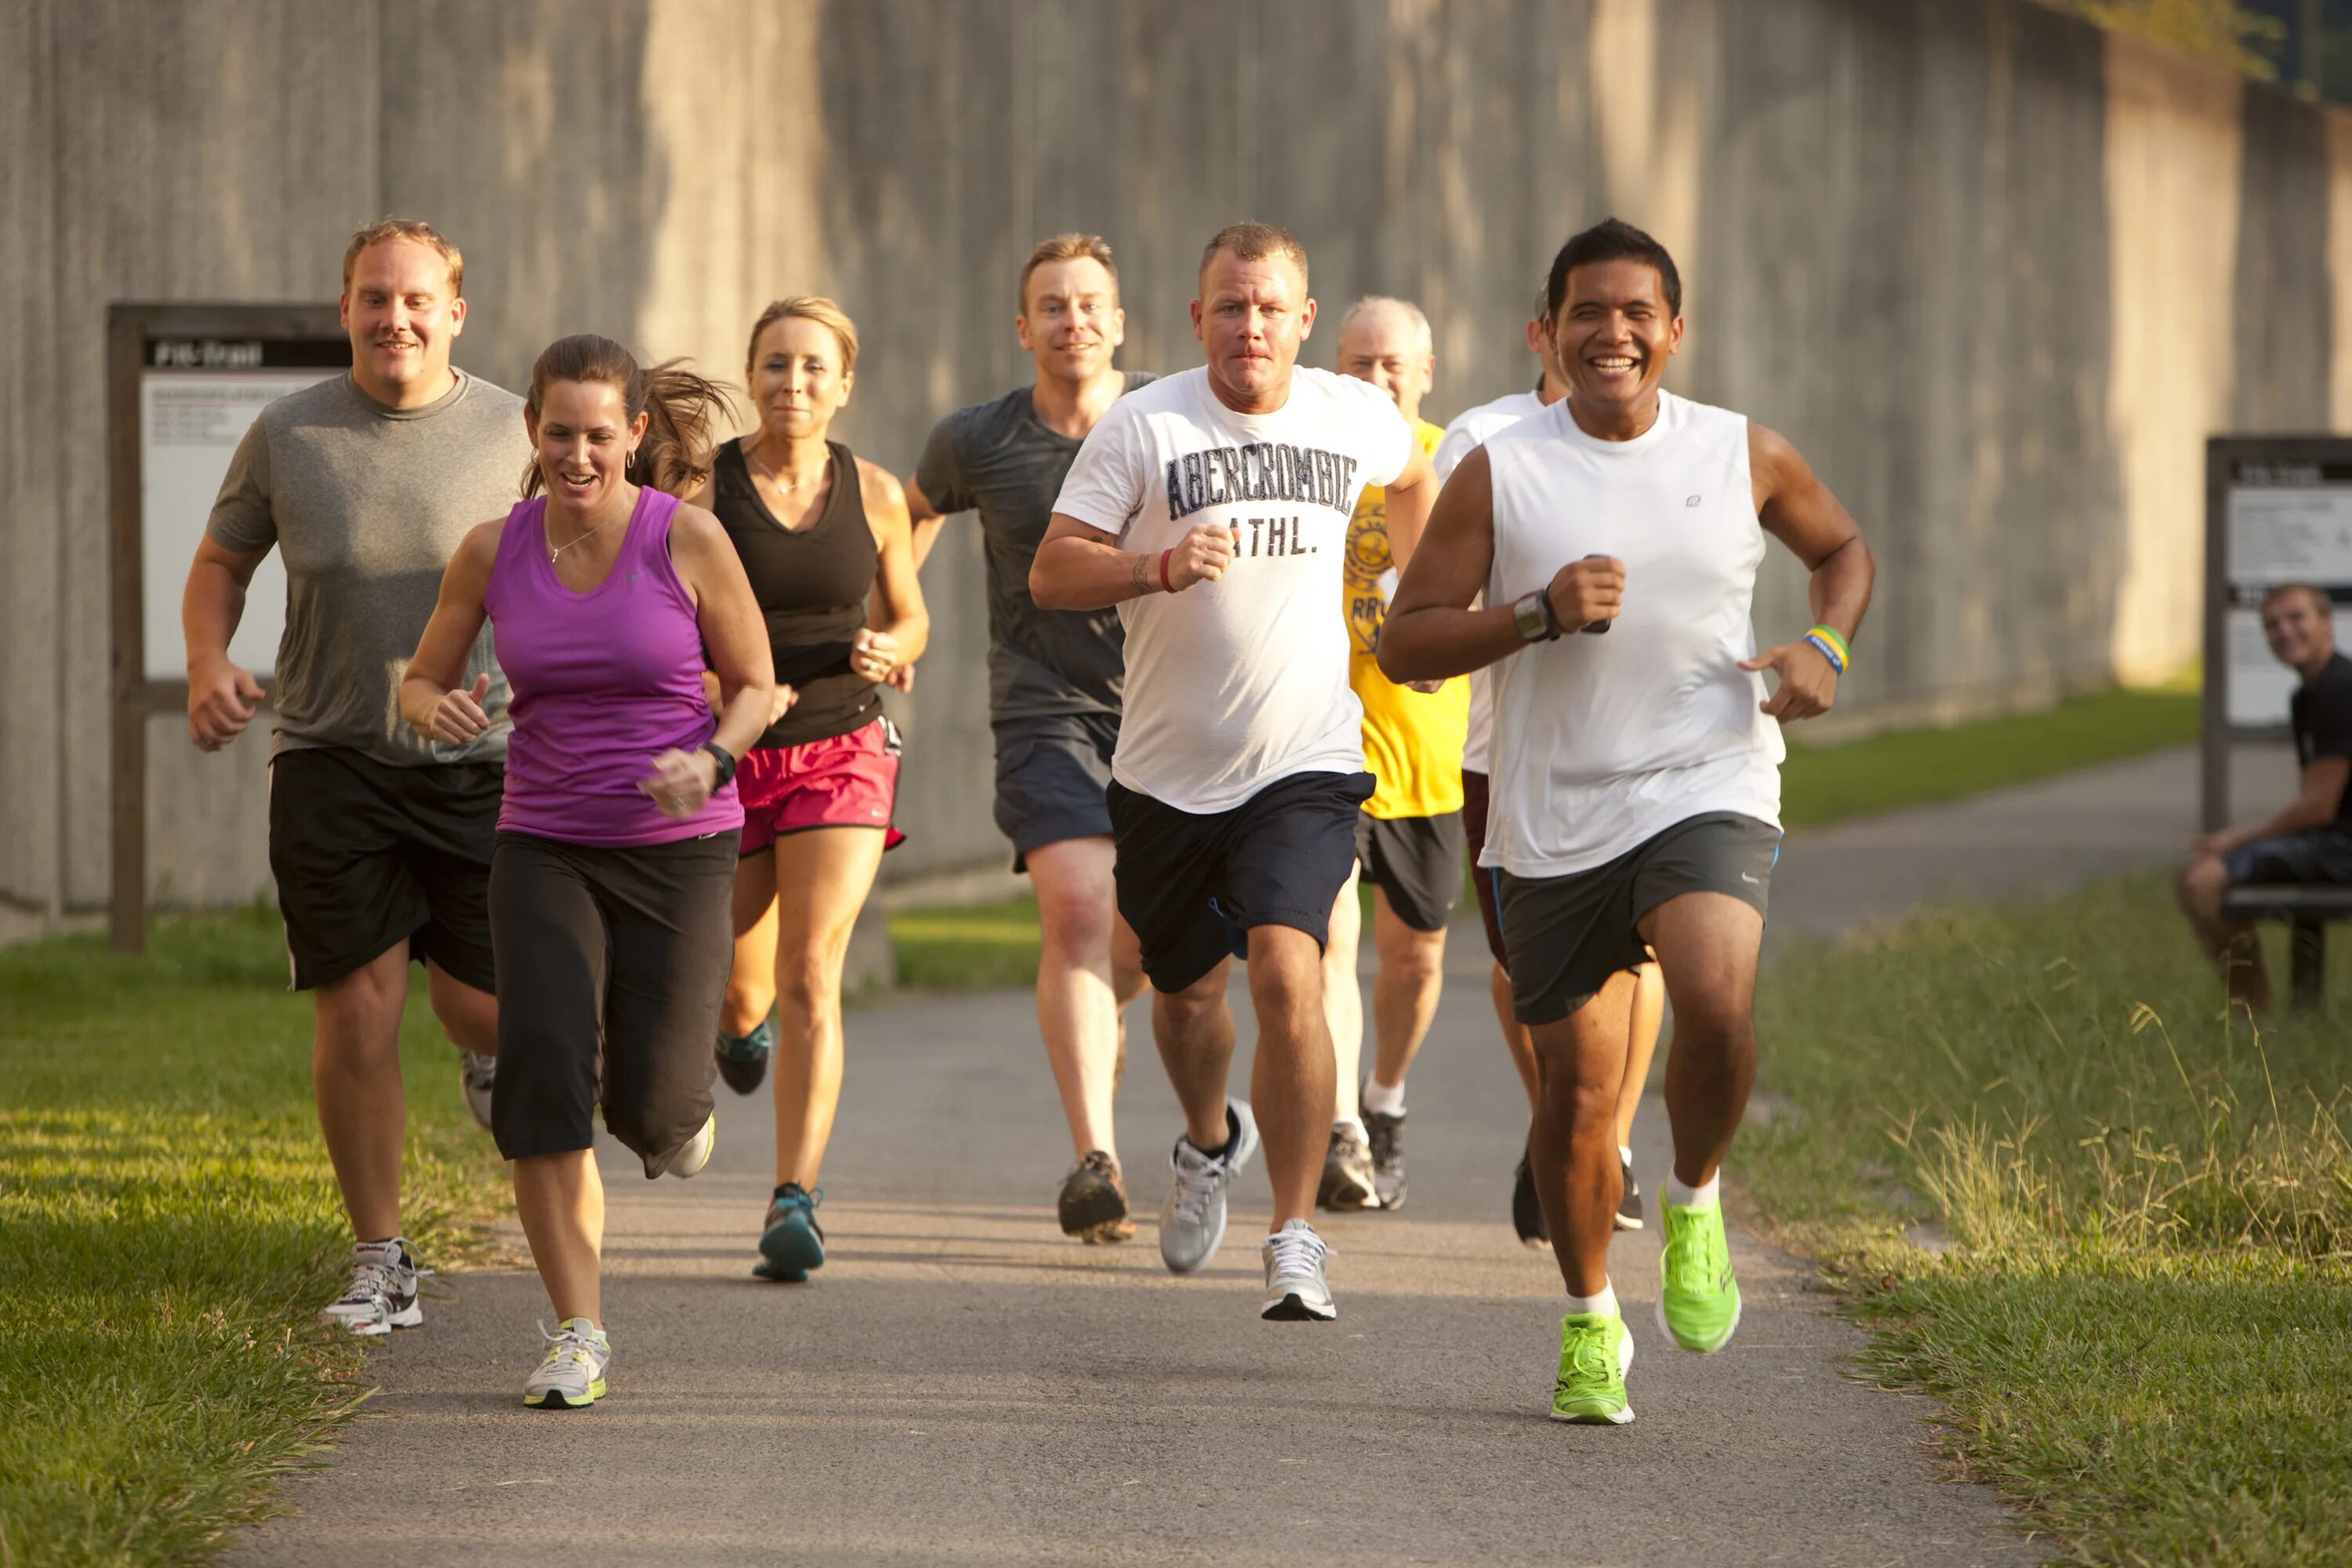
column 1165, row 585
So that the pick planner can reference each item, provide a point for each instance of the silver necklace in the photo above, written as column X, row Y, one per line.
column 555, row 549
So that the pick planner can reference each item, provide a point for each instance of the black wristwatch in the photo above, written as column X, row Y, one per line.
column 1534, row 616
column 726, row 763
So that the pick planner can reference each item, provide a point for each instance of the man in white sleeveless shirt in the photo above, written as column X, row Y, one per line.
column 1211, row 507
column 1635, row 777
column 1461, row 438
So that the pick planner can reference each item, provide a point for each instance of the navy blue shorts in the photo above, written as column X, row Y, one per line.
column 1192, row 886
column 1053, row 771
column 2321, row 856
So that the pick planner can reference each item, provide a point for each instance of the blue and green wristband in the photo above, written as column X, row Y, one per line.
column 1832, row 647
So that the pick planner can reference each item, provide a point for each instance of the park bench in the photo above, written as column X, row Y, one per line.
column 2308, row 911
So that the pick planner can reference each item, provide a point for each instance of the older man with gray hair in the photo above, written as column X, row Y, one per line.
column 1409, row 834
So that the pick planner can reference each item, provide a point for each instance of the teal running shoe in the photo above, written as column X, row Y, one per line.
column 1595, row 1354
column 1698, row 1300
column 743, row 1059
column 793, row 1244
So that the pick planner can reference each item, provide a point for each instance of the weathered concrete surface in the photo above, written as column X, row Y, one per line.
column 1997, row 275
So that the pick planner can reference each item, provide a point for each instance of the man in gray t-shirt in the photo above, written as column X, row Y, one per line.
column 1055, row 683
column 380, row 843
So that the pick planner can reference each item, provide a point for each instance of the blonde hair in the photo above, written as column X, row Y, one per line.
column 1070, row 247
column 681, row 409
column 808, row 307
column 410, row 228
column 1257, row 242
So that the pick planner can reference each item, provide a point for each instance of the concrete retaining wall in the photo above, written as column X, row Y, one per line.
column 1997, row 275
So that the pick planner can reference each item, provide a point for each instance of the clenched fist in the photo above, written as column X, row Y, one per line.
column 1586, row 594
column 1200, row 556
column 221, row 698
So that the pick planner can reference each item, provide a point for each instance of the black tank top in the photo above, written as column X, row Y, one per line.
column 811, row 585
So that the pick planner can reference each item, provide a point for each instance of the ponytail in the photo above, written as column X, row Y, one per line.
column 681, row 409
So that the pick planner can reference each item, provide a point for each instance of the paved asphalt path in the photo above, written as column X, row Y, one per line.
column 960, row 1385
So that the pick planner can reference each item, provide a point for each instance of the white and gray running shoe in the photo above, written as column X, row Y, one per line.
column 475, row 1076
column 383, row 1294
column 573, row 1376
column 691, row 1160
column 1192, row 1220
column 1295, row 1291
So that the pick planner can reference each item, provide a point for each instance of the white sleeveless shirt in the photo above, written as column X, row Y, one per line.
column 1602, row 742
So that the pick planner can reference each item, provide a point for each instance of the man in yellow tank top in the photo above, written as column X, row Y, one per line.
column 1409, row 838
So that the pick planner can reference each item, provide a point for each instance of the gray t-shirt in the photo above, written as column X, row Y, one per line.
column 366, row 504
column 1001, row 458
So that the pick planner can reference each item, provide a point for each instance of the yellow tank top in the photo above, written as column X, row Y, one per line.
column 1412, row 740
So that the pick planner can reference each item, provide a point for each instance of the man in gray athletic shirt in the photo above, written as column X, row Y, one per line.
column 379, row 842
column 1055, row 680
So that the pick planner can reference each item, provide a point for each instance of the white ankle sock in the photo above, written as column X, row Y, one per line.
column 1605, row 1302
column 1694, row 1197
column 1355, row 1121
column 1381, row 1098
column 1624, row 1155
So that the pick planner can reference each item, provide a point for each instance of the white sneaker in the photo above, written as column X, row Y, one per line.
column 573, row 1376
column 1295, row 1288
column 1192, row 1220
column 691, row 1160
column 475, row 1076
column 383, row 1294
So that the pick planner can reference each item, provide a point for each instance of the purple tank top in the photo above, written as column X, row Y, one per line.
column 604, row 682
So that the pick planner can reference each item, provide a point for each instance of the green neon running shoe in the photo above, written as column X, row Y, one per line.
column 1698, row 1300
column 1595, row 1352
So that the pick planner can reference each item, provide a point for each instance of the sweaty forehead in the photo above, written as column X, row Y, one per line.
column 1621, row 280
column 1268, row 277
column 400, row 264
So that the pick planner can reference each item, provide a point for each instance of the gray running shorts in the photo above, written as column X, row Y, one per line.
column 1053, row 772
column 1565, row 936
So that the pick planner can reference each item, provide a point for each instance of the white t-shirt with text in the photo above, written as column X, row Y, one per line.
column 1236, row 684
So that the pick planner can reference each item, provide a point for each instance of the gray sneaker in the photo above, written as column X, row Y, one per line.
column 383, row 1294
column 476, row 1076
column 1348, row 1177
column 1295, row 1291
column 1192, row 1220
column 573, row 1376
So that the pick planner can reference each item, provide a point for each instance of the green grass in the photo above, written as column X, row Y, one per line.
column 1918, row 767
column 168, row 1226
column 996, row 944
column 2142, row 1329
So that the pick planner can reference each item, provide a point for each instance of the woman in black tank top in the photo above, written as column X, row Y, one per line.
column 825, row 541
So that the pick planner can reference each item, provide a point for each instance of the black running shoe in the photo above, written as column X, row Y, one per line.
column 1527, row 1213
column 1348, row 1172
column 1628, row 1207
column 1094, row 1201
column 1386, row 1133
column 743, row 1059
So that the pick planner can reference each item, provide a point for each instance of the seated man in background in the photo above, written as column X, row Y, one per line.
column 2309, row 839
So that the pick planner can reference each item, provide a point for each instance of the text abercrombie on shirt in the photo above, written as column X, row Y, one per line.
column 1236, row 684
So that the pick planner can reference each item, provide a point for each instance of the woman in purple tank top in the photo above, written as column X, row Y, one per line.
column 609, row 883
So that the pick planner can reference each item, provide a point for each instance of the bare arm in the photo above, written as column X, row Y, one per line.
column 1410, row 496
column 1433, row 633
column 1080, row 567
column 733, row 631
column 430, row 698
column 898, row 627
column 1799, row 510
column 222, row 697
column 2314, row 805
column 926, row 520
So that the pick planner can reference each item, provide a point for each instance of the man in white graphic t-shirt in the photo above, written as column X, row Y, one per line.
column 1635, row 777
column 1212, row 508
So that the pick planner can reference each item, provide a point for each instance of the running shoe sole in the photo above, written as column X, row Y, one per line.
column 1292, row 1308
column 1623, row 1417
column 740, row 1074
column 1093, row 1210
column 1729, row 1329
column 553, row 1398
column 791, row 1249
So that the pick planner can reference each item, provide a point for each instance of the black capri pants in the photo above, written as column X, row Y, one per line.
column 611, row 966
